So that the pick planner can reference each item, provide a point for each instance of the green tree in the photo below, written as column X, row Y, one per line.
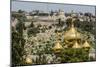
column 18, row 44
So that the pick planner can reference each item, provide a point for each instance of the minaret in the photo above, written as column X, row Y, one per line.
column 72, row 12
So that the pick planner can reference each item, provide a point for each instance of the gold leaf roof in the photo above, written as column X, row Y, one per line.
column 66, row 46
column 76, row 45
column 57, row 46
column 86, row 45
column 72, row 34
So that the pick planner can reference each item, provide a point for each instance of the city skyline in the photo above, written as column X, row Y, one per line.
column 30, row 6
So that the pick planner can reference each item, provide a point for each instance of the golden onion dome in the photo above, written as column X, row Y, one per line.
column 66, row 46
column 76, row 45
column 57, row 46
column 72, row 34
column 28, row 60
column 86, row 45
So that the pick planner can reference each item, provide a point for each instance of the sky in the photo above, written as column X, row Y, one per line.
column 29, row 6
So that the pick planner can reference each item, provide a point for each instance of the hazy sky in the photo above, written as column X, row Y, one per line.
column 29, row 6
